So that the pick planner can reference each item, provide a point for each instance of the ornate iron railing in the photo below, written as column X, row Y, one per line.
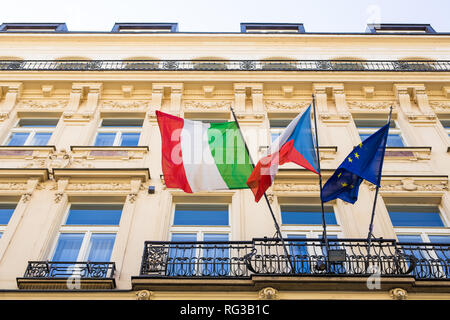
column 66, row 269
column 346, row 257
column 228, row 65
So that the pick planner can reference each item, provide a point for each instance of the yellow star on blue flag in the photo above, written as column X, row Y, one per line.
column 363, row 163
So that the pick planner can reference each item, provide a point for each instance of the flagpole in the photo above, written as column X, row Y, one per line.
column 370, row 234
column 324, row 224
column 277, row 227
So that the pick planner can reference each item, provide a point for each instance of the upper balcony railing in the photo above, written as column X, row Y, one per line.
column 307, row 257
column 229, row 65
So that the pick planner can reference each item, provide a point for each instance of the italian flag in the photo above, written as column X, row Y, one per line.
column 199, row 156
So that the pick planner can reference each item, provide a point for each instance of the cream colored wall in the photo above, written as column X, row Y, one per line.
column 80, row 99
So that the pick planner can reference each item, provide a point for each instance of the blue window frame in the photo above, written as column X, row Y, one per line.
column 308, row 215
column 217, row 256
column 299, row 252
column 34, row 132
column 201, row 215
column 101, row 246
column 182, row 257
column 6, row 212
column 94, row 214
column 119, row 132
column 415, row 216
column 367, row 127
column 68, row 247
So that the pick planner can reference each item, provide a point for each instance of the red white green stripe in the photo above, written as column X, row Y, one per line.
column 199, row 156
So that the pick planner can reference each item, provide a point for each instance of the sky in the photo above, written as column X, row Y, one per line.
column 226, row 16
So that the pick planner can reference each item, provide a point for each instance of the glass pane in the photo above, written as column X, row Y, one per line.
column 299, row 253
column 216, row 255
column 442, row 252
column 415, row 217
column 373, row 123
column 41, row 139
column 275, row 136
column 439, row 239
column 94, row 214
column 201, row 215
column 307, row 215
column 6, row 211
column 394, row 140
column 38, row 123
column 409, row 238
column 18, row 138
column 101, row 247
column 130, row 139
column 68, row 247
column 105, row 139
column 182, row 257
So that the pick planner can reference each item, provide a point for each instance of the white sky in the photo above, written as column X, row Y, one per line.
column 226, row 15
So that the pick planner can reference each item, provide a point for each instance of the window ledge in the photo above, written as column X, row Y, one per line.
column 61, row 283
column 109, row 152
column 408, row 153
column 25, row 151
column 106, row 173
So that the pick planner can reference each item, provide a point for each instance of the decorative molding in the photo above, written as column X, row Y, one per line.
column 295, row 187
column 207, row 106
column 13, row 186
column 268, row 293
column 411, row 184
column 440, row 106
column 42, row 104
column 125, row 105
column 99, row 187
column 398, row 294
column 145, row 295
column 272, row 106
column 363, row 106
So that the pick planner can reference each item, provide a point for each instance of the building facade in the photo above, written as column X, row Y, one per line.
column 85, row 213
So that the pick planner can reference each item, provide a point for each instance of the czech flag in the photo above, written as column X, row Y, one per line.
column 295, row 144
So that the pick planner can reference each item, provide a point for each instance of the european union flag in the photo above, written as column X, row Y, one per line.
column 363, row 163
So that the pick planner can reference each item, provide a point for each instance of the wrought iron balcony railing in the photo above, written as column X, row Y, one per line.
column 346, row 257
column 66, row 269
column 229, row 65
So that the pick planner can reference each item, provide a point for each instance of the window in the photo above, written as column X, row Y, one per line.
column 422, row 224
column 119, row 132
column 446, row 125
column 32, row 132
column 88, row 233
column 277, row 127
column 6, row 212
column 199, row 222
column 305, row 221
column 307, row 215
column 367, row 127
column 415, row 216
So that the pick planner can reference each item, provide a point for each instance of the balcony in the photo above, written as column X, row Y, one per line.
column 236, row 265
column 68, row 275
column 231, row 65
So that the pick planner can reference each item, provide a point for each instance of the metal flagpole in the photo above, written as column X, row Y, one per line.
column 324, row 224
column 277, row 227
column 370, row 234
